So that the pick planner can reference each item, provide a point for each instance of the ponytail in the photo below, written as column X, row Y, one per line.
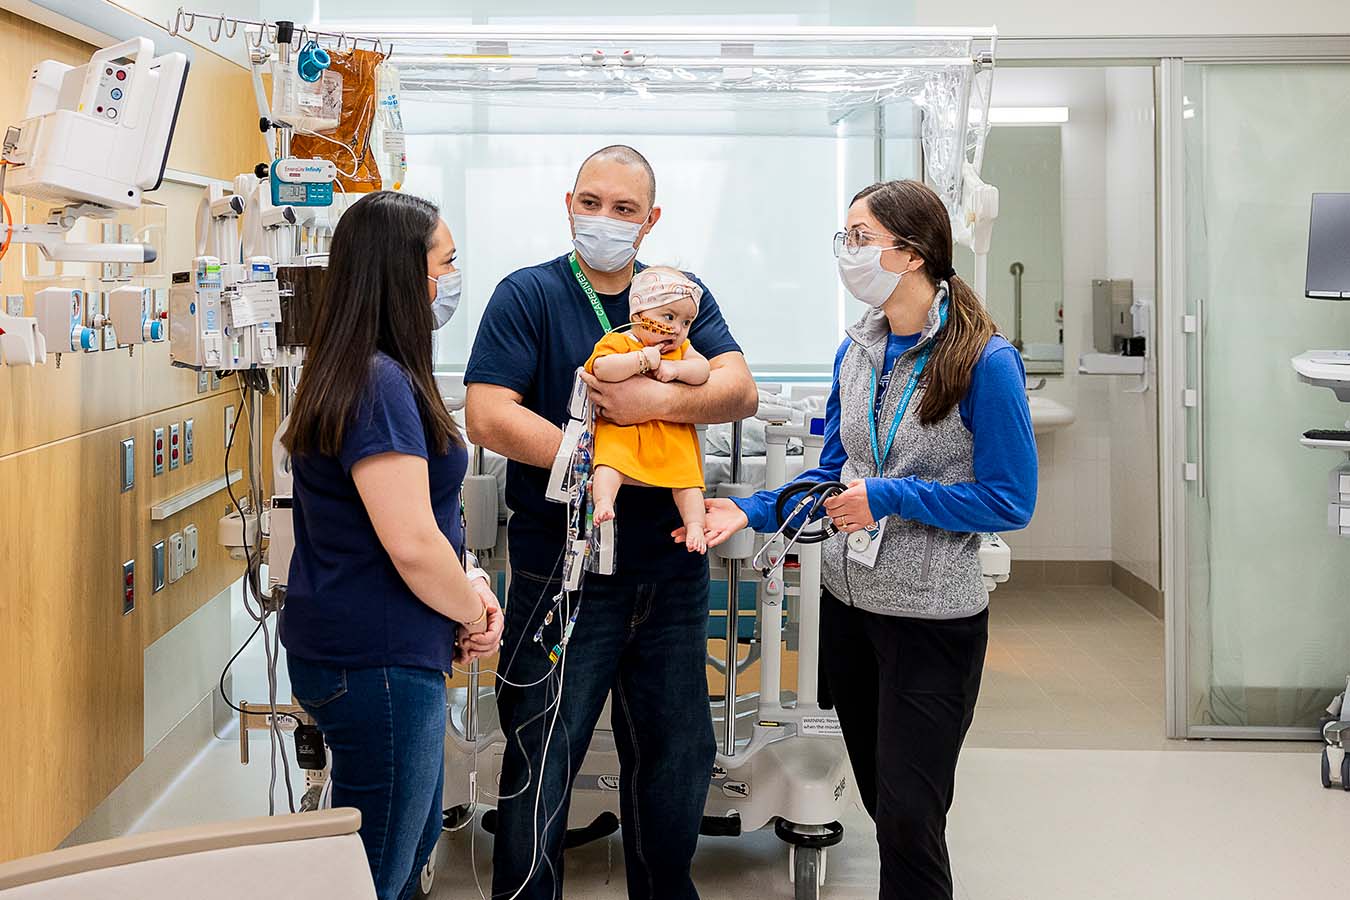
column 915, row 215
column 959, row 346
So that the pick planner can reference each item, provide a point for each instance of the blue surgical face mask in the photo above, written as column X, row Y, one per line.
column 606, row 244
column 447, row 296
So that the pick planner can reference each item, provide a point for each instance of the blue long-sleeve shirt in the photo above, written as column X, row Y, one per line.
column 994, row 410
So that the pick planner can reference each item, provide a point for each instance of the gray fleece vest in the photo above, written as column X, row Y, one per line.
column 921, row 571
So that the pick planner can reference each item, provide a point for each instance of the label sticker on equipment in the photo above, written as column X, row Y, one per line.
column 864, row 545
column 821, row 726
column 608, row 782
column 718, row 773
column 736, row 789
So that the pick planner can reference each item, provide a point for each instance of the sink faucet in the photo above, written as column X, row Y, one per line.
column 1036, row 386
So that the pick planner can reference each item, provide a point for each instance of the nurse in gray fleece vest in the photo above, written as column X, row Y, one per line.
column 928, row 425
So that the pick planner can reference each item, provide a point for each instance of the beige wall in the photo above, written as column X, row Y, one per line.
column 71, row 664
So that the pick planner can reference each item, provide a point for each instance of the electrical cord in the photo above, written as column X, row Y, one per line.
column 248, row 380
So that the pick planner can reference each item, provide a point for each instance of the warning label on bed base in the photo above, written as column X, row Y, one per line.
column 821, row 726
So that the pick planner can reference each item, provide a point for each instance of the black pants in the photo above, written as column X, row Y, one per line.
column 905, row 693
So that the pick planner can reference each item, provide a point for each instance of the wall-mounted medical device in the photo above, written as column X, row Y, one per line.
column 302, row 182
column 131, row 312
column 92, row 140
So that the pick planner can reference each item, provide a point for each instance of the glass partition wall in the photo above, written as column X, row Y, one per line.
column 1265, row 584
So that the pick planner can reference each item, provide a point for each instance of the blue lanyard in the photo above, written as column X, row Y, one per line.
column 922, row 360
column 877, row 455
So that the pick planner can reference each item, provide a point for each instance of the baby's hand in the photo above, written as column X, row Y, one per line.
column 653, row 355
column 668, row 371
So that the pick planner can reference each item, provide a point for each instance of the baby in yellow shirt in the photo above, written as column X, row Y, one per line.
column 663, row 304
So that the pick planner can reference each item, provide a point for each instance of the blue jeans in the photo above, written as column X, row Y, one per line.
column 646, row 643
column 385, row 730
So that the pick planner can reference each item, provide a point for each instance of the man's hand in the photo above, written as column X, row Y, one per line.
column 481, row 644
column 630, row 402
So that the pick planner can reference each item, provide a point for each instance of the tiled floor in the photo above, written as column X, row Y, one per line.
column 1070, row 667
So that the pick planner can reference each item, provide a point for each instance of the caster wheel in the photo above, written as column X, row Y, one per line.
column 1326, row 769
column 808, row 872
column 426, row 879
column 1345, row 772
column 456, row 816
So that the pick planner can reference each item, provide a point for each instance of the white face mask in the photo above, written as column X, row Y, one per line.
column 864, row 277
column 447, row 296
column 606, row 244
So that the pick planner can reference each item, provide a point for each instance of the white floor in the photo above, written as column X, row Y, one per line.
column 1028, row 824
column 1231, row 821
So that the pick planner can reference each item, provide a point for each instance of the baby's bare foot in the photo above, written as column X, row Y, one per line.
column 694, row 539
column 604, row 512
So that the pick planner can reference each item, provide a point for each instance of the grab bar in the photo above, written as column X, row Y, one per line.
column 179, row 502
column 1016, row 270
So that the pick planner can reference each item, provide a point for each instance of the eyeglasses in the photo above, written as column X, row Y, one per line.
column 855, row 240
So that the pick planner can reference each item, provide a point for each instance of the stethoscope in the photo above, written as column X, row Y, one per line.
column 815, row 493
column 812, row 502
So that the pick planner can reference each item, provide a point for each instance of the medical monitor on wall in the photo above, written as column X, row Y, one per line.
column 1329, row 248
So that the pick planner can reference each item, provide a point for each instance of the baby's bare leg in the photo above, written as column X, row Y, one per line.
column 605, row 484
column 689, row 501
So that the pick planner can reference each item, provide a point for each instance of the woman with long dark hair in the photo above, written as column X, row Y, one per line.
column 376, row 585
column 927, row 424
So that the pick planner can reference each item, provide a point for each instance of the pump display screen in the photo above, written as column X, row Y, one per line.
column 292, row 193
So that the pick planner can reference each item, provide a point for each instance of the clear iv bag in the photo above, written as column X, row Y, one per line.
column 387, row 139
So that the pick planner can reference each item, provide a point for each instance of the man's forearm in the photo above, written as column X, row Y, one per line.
column 728, row 395
column 519, row 434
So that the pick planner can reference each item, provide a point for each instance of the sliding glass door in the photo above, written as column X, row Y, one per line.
column 1260, row 587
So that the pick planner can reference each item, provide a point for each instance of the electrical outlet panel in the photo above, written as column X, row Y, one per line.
column 229, row 425
column 157, row 556
column 187, row 442
column 203, row 382
column 128, row 586
column 175, row 445
column 189, row 548
column 159, row 448
column 127, row 456
column 177, row 557
column 14, row 305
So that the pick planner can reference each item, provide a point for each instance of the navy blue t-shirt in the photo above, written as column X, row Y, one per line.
column 538, row 328
column 346, row 604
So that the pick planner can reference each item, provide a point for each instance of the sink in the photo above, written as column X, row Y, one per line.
column 1048, row 415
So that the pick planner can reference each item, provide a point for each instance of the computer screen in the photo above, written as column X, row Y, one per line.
column 1329, row 248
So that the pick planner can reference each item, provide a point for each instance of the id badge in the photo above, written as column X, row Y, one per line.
column 864, row 545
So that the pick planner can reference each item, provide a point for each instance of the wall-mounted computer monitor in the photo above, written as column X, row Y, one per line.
column 1329, row 248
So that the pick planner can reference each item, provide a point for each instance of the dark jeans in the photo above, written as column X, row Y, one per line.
column 905, row 692
column 385, row 730
column 647, row 644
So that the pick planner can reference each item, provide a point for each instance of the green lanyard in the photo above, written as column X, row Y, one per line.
column 589, row 292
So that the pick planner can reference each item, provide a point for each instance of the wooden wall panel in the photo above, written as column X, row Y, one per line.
column 71, row 665
column 215, row 570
